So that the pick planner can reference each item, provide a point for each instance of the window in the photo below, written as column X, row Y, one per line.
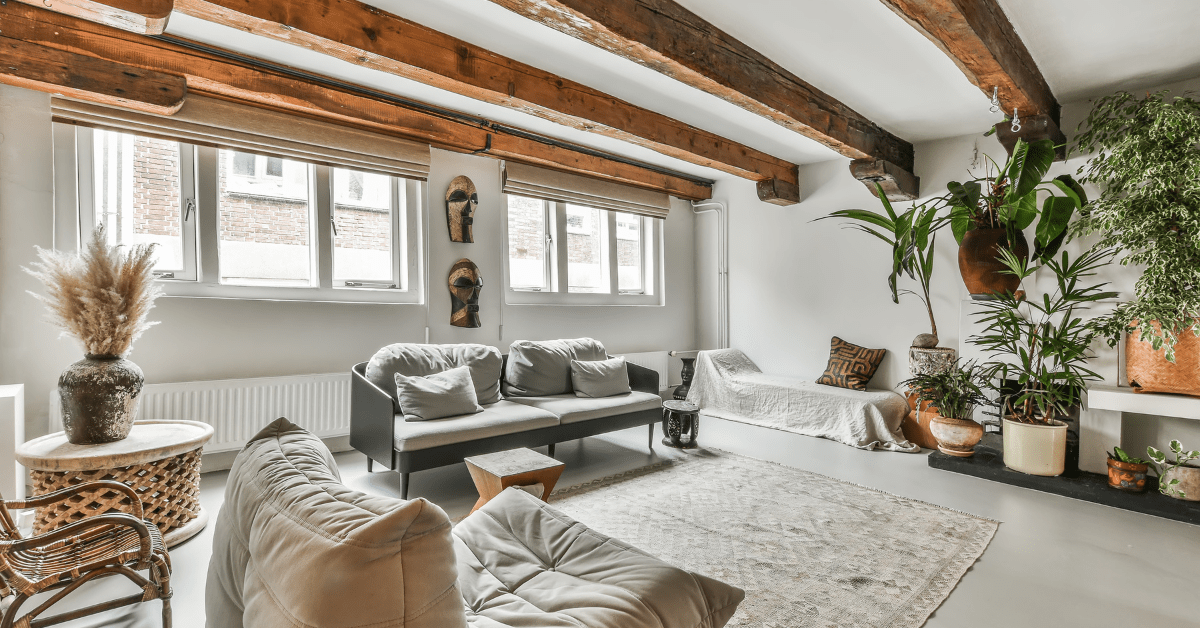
column 573, row 254
column 236, row 224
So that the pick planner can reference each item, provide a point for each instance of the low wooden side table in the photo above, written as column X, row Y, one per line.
column 160, row 460
column 493, row 473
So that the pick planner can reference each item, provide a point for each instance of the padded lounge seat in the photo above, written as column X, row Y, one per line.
column 572, row 409
column 497, row 419
column 523, row 563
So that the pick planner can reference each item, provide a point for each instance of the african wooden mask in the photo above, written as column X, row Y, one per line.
column 465, row 284
column 461, row 201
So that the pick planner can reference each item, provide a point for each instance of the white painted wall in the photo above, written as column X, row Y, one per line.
column 201, row 339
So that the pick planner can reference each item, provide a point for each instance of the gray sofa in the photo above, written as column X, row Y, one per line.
column 510, row 419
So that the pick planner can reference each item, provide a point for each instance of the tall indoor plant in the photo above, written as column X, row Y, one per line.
column 1042, row 346
column 1147, row 165
column 101, row 297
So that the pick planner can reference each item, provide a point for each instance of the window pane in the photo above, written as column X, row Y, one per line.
column 527, row 267
column 362, row 214
column 265, row 222
column 137, row 193
column 629, row 252
column 585, row 250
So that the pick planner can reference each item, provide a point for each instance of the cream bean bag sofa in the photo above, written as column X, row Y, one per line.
column 295, row 548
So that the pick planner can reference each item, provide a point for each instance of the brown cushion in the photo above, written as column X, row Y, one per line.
column 850, row 366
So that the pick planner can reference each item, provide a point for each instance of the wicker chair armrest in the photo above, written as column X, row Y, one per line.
column 98, row 485
column 77, row 528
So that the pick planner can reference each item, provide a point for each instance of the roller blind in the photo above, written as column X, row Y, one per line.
column 212, row 122
column 552, row 185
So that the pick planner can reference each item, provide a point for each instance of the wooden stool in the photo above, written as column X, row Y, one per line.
column 493, row 473
column 681, row 424
column 160, row 461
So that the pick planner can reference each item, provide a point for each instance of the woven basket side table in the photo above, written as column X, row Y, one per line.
column 160, row 460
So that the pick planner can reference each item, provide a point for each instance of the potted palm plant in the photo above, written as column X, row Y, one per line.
column 1147, row 165
column 951, row 396
column 1042, row 345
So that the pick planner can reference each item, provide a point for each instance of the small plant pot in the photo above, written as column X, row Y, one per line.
column 1035, row 449
column 956, row 437
column 1127, row 476
column 1189, row 482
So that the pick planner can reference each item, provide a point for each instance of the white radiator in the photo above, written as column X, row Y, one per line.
column 655, row 361
column 238, row 408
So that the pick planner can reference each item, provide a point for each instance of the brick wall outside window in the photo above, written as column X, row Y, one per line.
column 156, row 208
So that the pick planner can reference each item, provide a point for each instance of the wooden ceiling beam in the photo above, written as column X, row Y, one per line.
column 218, row 74
column 361, row 34
column 144, row 17
column 44, row 69
column 669, row 39
column 982, row 42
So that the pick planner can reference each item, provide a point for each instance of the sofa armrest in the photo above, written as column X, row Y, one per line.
column 642, row 379
column 372, row 418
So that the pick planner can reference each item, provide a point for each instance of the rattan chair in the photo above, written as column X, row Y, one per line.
column 65, row 558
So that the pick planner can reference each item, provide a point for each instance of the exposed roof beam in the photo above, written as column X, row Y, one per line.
column 45, row 69
column 978, row 37
column 234, row 77
column 668, row 38
column 361, row 34
column 145, row 17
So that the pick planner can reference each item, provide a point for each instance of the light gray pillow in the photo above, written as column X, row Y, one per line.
column 449, row 393
column 543, row 368
column 600, row 378
column 416, row 359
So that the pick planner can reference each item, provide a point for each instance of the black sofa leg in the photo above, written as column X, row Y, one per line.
column 550, row 450
column 651, row 441
column 369, row 464
column 403, row 486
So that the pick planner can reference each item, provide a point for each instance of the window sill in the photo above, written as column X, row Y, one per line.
column 192, row 289
column 576, row 299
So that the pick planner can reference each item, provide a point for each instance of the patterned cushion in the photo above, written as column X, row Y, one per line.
column 850, row 366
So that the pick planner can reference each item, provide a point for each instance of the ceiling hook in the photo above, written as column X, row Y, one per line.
column 1016, row 122
column 486, row 147
column 995, row 99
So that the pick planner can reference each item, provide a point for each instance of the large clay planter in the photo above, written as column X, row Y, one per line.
column 1149, row 371
column 99, row 397
column 956, row 437
column 1035, row 449
column 915, row 426
column 980, row 265
column 1189, row 482
column 1127, row 476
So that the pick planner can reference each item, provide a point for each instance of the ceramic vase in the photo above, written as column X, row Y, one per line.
column 1127, row 476
column 99, row 395
column 1035, row 449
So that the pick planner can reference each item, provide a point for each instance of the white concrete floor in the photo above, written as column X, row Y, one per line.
column 1053, row 562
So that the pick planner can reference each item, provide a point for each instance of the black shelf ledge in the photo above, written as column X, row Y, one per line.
column 988, row 464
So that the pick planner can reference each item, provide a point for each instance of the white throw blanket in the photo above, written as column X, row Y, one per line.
column 728, row 385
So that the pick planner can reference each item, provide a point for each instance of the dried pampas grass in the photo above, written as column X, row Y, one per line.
column 100, row 296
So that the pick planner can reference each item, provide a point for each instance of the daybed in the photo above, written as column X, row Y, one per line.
column 728, row 385
column 528, row 402
column 294, row 547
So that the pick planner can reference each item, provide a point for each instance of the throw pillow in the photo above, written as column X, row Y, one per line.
column 600, row 378
column 543, row 368
column 449, row 393
column 850, row 366
column 417, row 359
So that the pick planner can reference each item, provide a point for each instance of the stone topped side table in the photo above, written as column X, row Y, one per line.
column 160, row 460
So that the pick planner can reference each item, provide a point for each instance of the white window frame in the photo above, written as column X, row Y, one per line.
column 556, row 260
column 200, row 182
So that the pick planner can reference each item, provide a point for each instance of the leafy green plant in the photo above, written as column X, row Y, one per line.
column 1043, row 345
column 912, row 236
column 1147, row 165
column 1119, row 454
column 1162, row 467
column 955, row 391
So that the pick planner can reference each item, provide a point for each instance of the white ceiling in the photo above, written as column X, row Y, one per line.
column 858, row 51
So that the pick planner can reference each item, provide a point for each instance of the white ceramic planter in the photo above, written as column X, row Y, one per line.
column 1189, row 482
column 1035, row 449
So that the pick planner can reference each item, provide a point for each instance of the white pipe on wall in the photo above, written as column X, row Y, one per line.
column 722, row 215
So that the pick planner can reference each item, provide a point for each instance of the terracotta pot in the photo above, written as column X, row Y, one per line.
column 980, row 265
column 1127, row 476
column 1035, row 449
column 99, row 397
column 1189, row 482
column 956, row 437
column 1149, row 371
column 915, row 426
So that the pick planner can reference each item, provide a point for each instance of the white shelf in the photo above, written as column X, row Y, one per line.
column 1122, row 399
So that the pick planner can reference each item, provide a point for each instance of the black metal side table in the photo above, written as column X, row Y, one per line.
column 681, row 424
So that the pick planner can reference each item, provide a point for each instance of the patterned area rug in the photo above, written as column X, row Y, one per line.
column 809, row 550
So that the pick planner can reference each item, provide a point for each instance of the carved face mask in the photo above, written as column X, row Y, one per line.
column 465, row 284
column 461, row 201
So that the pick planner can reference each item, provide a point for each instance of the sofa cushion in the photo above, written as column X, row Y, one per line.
column 449, row 393
column 294, row 547
column 523, row 563
column 599, row 378
column 544, row 367
column 421, row 360
column 497, row 419
column 571, row 409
